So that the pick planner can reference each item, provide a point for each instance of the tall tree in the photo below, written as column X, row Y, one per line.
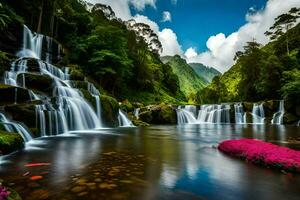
column 282, row 24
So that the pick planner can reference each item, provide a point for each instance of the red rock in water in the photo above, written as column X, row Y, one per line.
column 37, row 164
column 35, row 178
column 263, row 153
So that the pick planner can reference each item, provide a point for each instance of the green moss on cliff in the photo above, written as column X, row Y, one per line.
column 10, row 142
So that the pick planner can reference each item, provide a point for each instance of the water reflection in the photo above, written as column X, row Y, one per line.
column 179, row 162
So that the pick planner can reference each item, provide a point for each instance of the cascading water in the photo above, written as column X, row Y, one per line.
column 240, row 115
column 15, row 127
column 258, row 113
column 214, row 114
column 278, row 116
column 124, row 121
column 71, row 111
column 185, row 116
column 207, row 114
column 96, row 94
column 136, row 113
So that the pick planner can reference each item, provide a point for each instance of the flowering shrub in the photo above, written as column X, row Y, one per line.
column 262, row 153
column 3, row 193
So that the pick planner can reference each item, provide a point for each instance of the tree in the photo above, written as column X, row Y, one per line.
column 4, row 18
column 282, row 24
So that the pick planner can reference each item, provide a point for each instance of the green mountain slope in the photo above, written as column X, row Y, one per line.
column 207, row 73
column 189, row 81
column 261, row 73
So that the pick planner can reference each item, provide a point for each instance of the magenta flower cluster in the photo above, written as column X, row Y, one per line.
column 263, row 153
column 3, row 193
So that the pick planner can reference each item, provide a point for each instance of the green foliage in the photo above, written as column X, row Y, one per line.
column 10, row 142
column 190, row 83
column 261, row 73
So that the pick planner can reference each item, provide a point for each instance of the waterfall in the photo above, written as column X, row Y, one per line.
column 15, row 127
column 185, row 116
column 258, row 113
column 124, row 121
column 32, row 44
column 214, row 114
column 136, row 112
column 70, row 110
column 240, row 115
column 278, row 116
column 96, row 94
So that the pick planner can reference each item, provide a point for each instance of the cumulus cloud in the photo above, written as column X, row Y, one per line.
column 166, row 16
column 169, row 43
column 167, row 37
column 222, row 49
column 190, row 53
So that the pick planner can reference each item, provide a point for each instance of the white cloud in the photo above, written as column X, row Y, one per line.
column 167, row 37
column 222, row 49
column 190, row 52
column 169, row 43
column 166, row 16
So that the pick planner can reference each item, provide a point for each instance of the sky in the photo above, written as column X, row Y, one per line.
column 204, row 31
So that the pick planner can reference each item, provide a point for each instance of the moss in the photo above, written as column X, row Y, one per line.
column 146, row 116
column 164, row 114
column 10, row 142
column 127, row 106
column 110, row 111
column 38, row 83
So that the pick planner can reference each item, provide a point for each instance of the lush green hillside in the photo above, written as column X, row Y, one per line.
column 262, row 73
column 189, row 81
column 120, row 60
column 207, row 73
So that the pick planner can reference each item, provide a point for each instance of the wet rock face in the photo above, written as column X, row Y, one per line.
column 11, row 39
column 110, row 111
column 12, row 95
column 159, row 114
column 36, row 82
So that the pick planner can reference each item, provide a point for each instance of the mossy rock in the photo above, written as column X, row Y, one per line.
column 146, row 116
column 137, row 105
column 126, row 106
column 247, row 106
column 10, row 142
column 23, row 112
column 110, row 111
column 249, row 117
column 91, row 99
column 289, row 118
column 232, row 113
column 4, row 63
column 76, row 74
column 164, row 114
column 33, row 65
column 139, row 123
column 11, row 95
column 36, row 82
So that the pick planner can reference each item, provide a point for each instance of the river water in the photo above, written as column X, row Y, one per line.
column 158, row 162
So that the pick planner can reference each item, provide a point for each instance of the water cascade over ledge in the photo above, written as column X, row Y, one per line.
column 278, row 116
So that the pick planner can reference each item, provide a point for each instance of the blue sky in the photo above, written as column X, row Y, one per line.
column 204, row 31
column 194, row 21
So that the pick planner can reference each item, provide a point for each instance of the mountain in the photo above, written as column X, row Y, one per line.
column 189, row 81
column 207, row 73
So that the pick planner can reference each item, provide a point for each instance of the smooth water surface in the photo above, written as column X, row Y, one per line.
column 158, row 162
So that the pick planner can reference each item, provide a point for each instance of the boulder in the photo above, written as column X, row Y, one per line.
column 110, row 111
column 248, row 106
column 289, row 118
column 164, row 114
column 10, row 142
column 146, row 116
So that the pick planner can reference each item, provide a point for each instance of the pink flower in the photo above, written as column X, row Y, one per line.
column 263, row 153
column 3, row 193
